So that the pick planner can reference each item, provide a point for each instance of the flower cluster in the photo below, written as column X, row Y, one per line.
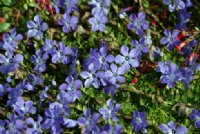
column 100, row 12
column 171, row 74
column 40, row 107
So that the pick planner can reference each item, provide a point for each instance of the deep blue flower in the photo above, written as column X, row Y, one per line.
column 110, row 89
column 174, row 4
column 62, row 54
column 49, row 46
column 10, row 40
column 72, row 85
column 14, row 94
column 36, row 27
column 193, row 63
column 54, row 117
column 109, row 129
column 14, row 125
column 37, row 127
column 139, row 121
column 1, row 90
column 140, row 47
column 99, row 6
column 195, row 117
column 138, row 23
column 170, row 39
column 110, row 112
column 89, row 122
column 100, row 57
column 32, row 81
column 92, row 76
column 68, row 5
column 68, row 22
column 170, row 73
column 2, row 127
column 65, row 98
column 24, row 107
column 188, row 48
column 10, row 62
column 128, row 58
column 39, row 59
column 186, row 76
column 115, row 74
column 183, row 18
column 98, row 22
column 44, row 94
column 172, row 128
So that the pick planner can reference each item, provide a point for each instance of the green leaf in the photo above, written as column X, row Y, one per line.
column 8, row 2
column 4, row 26
column 145, row 3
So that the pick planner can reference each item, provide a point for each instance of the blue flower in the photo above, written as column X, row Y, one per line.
column 188, row 48
column 68, row 22
column 39, row 59
column 110, row 112
column 170, row 39
column 139, row 121
column 109, row 129
column 36, row 128
column 172, row 128
column 68, row 5
column 62, row 54
column 115, row 74
column 174, row 4
column 72, row 85
column 193, row 63
column 14, row 124
column 32, row 81
column 140, row 47
column 138, row 23
column 36, row 27
column 195, row 117
column 54, row 117
column 24, row 107
column 92, row 76
column 10, row 62
column 99, row 6
column 49, row 46
column 186, row 76
column 183, row 18
column 170, row 73
column 98, row 22
column 10, row 41
column 128, row 58
column 100, row 57
column 89, row 122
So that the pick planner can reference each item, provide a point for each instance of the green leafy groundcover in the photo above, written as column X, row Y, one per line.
column 99, row 66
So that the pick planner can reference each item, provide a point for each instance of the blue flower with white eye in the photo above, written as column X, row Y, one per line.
column 139, row 121
column 68, row 22
column 10, row 40
column 92, row 76
column 127, row 58
column 170, row 73
column 10, row 62
column 89, row 121
column 172, row 128
column 138, row 23
column 170, row 39
column 110, row 112
column 36, row 27
column 195, row 117
column 98, row 22
column 37, row 127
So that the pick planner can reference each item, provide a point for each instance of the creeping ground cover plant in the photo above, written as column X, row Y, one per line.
column 99, row 67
